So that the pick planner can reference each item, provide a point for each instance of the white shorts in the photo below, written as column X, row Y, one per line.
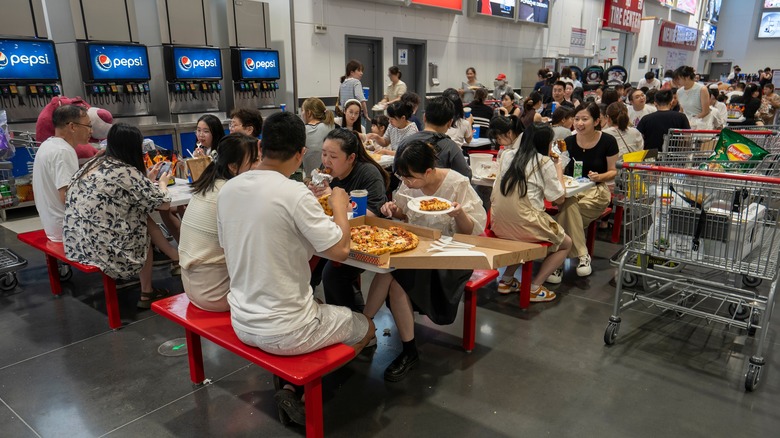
column 333, row 325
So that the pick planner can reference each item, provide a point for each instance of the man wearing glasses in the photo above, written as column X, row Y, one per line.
column 56, row 163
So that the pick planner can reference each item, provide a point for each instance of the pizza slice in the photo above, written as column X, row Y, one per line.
column 434, row 204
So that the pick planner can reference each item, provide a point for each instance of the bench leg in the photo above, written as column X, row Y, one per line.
column 525, row 284
column 112, row 303
column 617, row 224
column 469, row 319
column 313, row 393
column 195, row 356
column 54, row 275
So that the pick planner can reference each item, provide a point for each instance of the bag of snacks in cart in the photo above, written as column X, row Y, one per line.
column 7, row 150
column 734, row 152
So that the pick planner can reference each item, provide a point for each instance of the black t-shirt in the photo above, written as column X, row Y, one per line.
column 548, row 108
column 365, row 176
column 655, row 125
column 594, row 159
column 481, row 110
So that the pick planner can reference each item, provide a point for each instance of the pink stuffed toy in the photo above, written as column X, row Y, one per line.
column 101, row 120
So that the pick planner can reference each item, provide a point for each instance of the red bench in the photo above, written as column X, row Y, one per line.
column 56, row 251
column 305, row 370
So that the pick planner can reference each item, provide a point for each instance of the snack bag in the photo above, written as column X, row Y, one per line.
column 733, row 152
column 7, row 150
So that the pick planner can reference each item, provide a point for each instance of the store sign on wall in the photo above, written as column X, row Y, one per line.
column 678, row 36
column 625, row 15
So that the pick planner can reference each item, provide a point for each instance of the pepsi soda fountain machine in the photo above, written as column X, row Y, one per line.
column 116, row 77
column 194, row 87
column 29, row 78
column 255, row 75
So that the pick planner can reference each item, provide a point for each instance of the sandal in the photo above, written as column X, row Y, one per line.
column 147, row 298
column 542, row 295
column 290, row 407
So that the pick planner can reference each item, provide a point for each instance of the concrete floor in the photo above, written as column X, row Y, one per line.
column 542, row 372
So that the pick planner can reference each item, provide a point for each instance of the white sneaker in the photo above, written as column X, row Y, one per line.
column 583, row 269
column 556, row 277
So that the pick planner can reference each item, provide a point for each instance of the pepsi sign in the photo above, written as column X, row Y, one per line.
column 117, row 62
column 28, row 60
column 195, row 63
column 256, row 64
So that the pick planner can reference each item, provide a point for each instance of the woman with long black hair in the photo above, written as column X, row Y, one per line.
column 107, row 209
column 203, row 268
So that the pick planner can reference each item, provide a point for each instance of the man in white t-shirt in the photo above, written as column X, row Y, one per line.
column 56, row 163
column 271, row 303
column 637, row 107
column 649, row 81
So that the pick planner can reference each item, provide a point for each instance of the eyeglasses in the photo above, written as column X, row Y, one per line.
column 236, row 124
column 81, row 124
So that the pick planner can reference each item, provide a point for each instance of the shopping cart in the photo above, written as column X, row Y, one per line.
column 695, row 238
column 695, row 146
column 10, row 262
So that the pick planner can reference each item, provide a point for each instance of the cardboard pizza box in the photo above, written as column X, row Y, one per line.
column 495, row 253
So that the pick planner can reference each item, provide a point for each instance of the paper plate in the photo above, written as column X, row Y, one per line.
column 414, row 205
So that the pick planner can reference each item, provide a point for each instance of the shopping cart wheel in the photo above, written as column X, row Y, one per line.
column 630, row 279
column 752, row 377
column 8, row 281
column 739, row 311
column 610, row 334
column 66, row 273
column 749, row 281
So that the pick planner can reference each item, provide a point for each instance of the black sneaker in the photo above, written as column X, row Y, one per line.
column 400, row 367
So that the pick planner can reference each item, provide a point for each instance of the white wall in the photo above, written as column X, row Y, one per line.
column 737, row 30
column 454, row 41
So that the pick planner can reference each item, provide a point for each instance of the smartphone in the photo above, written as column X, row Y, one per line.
column 166, row 166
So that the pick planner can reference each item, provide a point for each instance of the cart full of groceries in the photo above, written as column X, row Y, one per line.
column 700, row 233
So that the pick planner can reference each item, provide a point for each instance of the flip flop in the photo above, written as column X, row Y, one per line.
column 147, row 298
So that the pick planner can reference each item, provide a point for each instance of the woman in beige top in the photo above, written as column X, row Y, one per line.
column 396, row 89
column 203, row 269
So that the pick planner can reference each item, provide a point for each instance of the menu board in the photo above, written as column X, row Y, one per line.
column 533, row 11
column 769, row 27
column 501, row 8
column 453, row 5
column 708, row 37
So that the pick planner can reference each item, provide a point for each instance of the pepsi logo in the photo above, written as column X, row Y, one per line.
column 353, row 204
column 249, row 63
column 3, row 60
column 185, row 63
column 103, row 61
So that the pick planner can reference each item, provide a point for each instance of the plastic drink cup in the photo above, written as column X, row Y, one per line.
column 577, row 169
column 475, row 132
column 366, row 92
column 359, row 202
column 283, row 107
column 553, row 106
column 466, row 112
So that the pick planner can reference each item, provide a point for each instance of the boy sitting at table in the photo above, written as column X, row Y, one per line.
column 269, row 227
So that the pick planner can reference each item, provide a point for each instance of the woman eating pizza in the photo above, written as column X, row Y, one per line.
column 432, row 292
column 347, row 161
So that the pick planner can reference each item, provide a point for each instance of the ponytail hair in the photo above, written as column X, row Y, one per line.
column 531, row 101
column 350, row 143
column 618, row 113
column 352, row 65
column 684, row 72
column 500, row 125
column 515, row 178
column 318, row 111
column 235, row 149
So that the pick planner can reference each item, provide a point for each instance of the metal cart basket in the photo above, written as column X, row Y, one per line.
column 10, row 262
column 690, row 236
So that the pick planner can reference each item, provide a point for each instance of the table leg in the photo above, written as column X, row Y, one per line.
column 469, row 319
column 525, row 284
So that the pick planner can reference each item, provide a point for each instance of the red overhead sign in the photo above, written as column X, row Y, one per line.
column 623, row 15
column 455, row 5
column 678, row 36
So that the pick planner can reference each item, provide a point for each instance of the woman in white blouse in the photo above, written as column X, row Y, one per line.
column 629, row 139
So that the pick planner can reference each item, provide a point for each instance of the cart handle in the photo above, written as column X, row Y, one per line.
column 694, row 172
column 717, row 131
